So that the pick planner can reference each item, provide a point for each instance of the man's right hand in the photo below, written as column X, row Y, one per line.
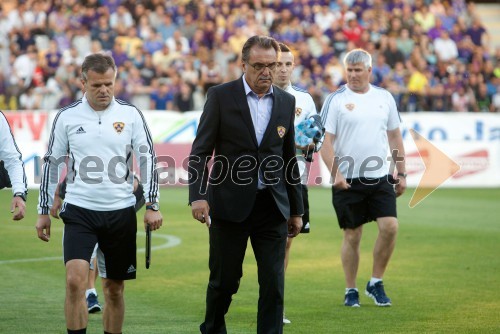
column 43, row 227
column 200, row 210
column 56, row 206
column 340, row 182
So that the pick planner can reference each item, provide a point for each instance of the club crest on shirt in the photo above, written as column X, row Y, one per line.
column 298, row 111
column 350, row 106
column 281, row 131
column 119, row 126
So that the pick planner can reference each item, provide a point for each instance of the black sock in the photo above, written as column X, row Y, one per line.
column 77, row 331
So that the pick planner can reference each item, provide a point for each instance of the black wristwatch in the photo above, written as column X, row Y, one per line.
column 402, row 175
column 22, row 195
column 153, row 206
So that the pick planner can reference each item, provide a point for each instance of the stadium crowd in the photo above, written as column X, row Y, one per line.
column 431, row 55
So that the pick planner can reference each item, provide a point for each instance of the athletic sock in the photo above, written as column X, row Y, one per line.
column 77, row 331
column 374, row 280
column 89, row 291
column 349, row 289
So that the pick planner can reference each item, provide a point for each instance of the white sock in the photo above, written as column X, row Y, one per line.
column 349, row 289
column 374, row 280
column 89, row 291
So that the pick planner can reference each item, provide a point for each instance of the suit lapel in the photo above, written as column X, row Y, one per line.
column 274, row 115
column 241, row 101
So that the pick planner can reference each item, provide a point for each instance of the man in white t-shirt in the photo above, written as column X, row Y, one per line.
column 361, row 124
column 304, row 108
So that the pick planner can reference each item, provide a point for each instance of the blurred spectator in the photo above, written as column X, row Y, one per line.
column 163, row 59
column 495, row 106
column 162, row 98
column 166, row 27
column 30, row 99
column 392, row 54
column 52, row 60
column 103, row 32
column 462, row 99
column 425, row 18
column 404, row 43
column 121, row 20
column 477, row 33
column 178, row 38
column 210, row 75
column 183, row 99
column 445, row 48
column 483, row 101
column 130, row 43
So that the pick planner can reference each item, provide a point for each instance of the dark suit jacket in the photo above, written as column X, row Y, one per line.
column 226, row 131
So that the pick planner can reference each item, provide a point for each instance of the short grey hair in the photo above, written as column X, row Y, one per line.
column 358, row 56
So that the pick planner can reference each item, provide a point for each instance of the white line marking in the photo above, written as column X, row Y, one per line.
column 170, row 241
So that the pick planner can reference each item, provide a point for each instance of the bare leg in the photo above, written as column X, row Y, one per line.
column 384, row 246
column 114, row 312
column 350, row 255
column 75, row 308
column 92, row 276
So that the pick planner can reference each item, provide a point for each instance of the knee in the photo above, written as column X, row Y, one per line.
column 227, row 286
column 389, row 228
column 113, row 289
column 76, row 276
column 352, row 236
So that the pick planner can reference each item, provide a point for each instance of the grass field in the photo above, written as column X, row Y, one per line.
column 444, row 276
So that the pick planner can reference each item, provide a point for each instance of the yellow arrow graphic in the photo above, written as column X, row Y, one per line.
column 438, row 168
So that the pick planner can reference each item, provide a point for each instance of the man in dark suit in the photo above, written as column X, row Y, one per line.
column 253, row 188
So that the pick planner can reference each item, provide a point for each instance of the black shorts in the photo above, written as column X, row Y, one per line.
column 365, row 201
column 306, row 228
column 115, row 231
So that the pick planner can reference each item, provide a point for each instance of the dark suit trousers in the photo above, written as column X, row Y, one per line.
column 267, row 230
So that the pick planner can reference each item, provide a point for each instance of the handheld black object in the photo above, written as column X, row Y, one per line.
column 148, row 246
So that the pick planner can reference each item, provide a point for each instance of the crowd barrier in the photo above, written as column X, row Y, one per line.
column 472, row 140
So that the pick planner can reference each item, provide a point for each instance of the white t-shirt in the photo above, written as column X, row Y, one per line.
column 360, row 123
column 304, row 108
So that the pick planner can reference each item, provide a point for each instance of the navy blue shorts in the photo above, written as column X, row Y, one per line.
column 365, row 201
column 115, row 231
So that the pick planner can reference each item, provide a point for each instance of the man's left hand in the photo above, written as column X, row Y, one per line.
column 153, row 219
column 294, row 226
column 18, row 203
column 400, row 186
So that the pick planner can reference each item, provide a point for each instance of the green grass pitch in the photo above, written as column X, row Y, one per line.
column 444, row 276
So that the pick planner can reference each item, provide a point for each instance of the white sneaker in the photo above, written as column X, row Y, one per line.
column 285, row 320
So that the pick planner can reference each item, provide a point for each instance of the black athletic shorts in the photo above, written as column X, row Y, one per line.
column 306, row 228
column 115, row 231
column 365, row 201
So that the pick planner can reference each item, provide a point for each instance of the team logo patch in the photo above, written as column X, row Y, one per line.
column 281, row 131
column 350, row 106
column 298, row 111
column 119, row 126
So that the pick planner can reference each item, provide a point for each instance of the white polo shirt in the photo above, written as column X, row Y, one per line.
column 360, row 123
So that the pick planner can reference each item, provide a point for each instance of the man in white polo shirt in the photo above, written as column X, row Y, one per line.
column 362, row 123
